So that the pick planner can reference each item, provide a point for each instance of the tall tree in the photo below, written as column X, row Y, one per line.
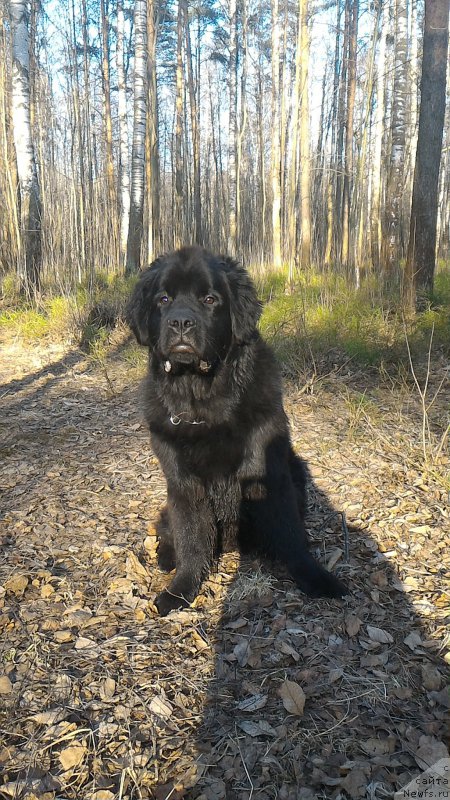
column 375, row 221
column 421, row 256
column 135, row 230
column 305, row 167
column 179, row 118
column 107, row 120
column 393, row 243
column 276, row 139
column 28, row 188
column 351, row 93
column 152, row 137
column 124, row 175
column 195, row 129
column 232, row 130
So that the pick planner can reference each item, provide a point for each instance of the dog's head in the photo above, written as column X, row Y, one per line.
column 190, row 306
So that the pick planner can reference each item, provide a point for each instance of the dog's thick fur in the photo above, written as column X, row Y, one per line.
column 213, row 403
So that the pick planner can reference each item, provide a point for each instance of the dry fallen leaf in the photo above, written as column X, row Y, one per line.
column 430, row 751
column 5, row 685
column 135, row 570
column 352, row 624
column 413, row 641
column 50, row 717
column 252, row 703
column 16, row 584
column 293, row 697
column 431, row 677
column 108, row 689
column 82, row 643
column 261, row 728
column 242, row 651
column 72, row 756
column 336, row 554
column 379, row 635
column 355, row 783
column 161, row 708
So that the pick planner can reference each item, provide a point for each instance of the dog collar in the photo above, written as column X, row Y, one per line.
column 177, row 419
column 204, row 366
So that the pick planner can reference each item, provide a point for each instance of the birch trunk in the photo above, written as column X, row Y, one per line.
column 179, row 116
column 107, row 122
column 305, row 166
column 276, row 144
column 195, row 130
column 124, row 166
column 29, row 196
column 375, row 223
column 242, row 127
column 133, row 263
column 393, row 244
column 232, row 132
column 351, row 92
column 152, row 139
column 332, row 183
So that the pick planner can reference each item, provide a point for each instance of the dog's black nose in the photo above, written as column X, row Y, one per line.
column 181, row 321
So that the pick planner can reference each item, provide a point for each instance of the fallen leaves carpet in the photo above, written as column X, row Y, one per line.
column 257, row 691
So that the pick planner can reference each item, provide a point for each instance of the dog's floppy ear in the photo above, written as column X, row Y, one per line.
column 137, row 313
column 244, row 304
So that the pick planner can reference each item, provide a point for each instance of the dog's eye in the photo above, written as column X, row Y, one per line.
column 164, row 300
column 209, row 299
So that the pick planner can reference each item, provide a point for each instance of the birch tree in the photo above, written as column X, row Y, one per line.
column 305, row 169
column 232, row 131
column 276, row 149
column 152, row 138
column 135, row 231
column 375, row 226
column 393, row 214
column 29, row 196
column 124, row 176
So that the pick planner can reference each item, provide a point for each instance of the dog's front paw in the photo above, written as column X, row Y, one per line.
column 167, row 602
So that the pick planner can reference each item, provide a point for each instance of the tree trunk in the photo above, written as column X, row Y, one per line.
column 276, row 142
column 392, row 249
column 124, row 176
column 351, row 91
column 111, row 216
column 179, row 115
column 305, row 166
column 241, row 132
column 332, row 182
column 135, row 231
column 152, row 139
column 375, row 222
column 232, row 131
column 421, row 257
column 29, row 196
column 195, row 130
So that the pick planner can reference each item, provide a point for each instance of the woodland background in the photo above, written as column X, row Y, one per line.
column 284, row 132
column 310, row 139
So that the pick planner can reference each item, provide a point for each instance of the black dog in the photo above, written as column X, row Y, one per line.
column 213, row 403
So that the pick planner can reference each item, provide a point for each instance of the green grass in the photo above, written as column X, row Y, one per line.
column 325, row 314
column 84, row 314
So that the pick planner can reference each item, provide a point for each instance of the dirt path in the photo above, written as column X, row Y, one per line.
column 257, row 691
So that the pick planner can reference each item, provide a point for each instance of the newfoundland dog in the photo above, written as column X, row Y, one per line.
column 213, row 403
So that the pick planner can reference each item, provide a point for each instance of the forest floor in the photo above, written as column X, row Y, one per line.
column 257, row 691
